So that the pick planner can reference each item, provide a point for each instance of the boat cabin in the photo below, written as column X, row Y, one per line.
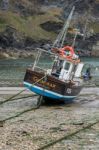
column 56, row 66
column 66, row 70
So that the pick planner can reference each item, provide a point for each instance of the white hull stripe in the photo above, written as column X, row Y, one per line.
column 50, row 92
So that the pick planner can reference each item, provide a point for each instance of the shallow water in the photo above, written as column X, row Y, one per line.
column 12, row 71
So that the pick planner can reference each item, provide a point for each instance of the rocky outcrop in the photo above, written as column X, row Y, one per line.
column 11, row 38
column 26, row 14
column 52, row 26
column 15, row 45
column 25, row 8
column 16, row 53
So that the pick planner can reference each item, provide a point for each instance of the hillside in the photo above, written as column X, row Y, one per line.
column 30, row 23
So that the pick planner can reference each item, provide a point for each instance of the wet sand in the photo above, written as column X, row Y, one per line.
column 13, row 90
column 35, row 128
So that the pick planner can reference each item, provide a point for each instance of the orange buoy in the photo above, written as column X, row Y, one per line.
column 65, row 49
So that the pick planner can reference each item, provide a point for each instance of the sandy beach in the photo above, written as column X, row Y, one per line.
column 33, row 129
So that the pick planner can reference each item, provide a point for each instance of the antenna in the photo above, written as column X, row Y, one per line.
column 85, row 29
column 87, row 21
column 76, row 33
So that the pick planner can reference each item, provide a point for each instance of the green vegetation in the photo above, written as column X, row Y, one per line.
column 29, row 26
column 95, row 27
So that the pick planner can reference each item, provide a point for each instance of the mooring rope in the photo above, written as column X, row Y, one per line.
column 20, row 113
column 12, row 97
column 8, row 100
column 67, row 136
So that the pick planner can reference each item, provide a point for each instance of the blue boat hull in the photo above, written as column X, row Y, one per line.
column 48, row 93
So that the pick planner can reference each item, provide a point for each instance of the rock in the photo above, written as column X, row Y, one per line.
column 95, row 53
column 52, row 26
column 14, row 38
column 46, row 46
column 4, row 55
column 1, row 123
column 26, row 8
column 5, row 4
column 78, row 123
column 11, row 38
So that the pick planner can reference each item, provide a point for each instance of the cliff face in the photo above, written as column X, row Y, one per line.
column 25, row 24
column 31, row 7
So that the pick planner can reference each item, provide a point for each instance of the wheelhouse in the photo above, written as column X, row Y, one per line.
column 56, row 66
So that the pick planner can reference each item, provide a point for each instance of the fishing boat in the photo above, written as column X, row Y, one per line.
column 61, row 79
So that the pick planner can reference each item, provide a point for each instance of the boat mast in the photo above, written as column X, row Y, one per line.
column 62, row 35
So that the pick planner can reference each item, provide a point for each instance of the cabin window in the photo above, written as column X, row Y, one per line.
column 67, row 66
column 58, row 65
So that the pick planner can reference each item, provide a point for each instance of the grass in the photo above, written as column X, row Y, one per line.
column 30, row 26
column 95, row 26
